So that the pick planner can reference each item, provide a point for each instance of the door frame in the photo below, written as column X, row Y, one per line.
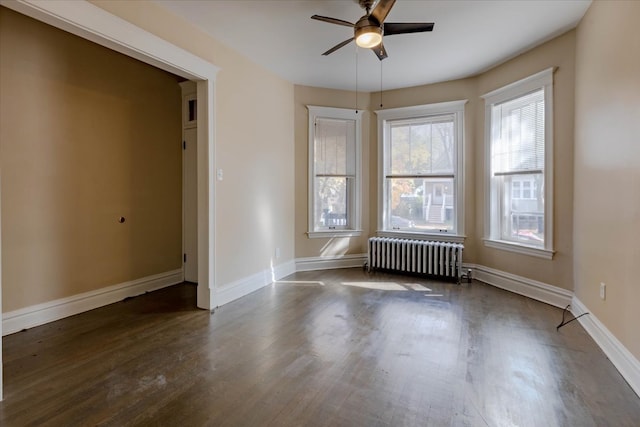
column 92, row 23
column 189, row 163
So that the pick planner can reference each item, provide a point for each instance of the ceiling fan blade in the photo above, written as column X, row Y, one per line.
column 392, row 28
column 332, row 20
column 338, row 46
column 382, row 9
column 380, row 51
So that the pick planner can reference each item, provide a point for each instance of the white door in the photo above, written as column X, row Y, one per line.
column 190, row 205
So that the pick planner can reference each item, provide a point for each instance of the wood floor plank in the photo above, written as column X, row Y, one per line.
column 325, row 348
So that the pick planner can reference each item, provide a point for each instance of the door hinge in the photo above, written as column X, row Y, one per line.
column 184, row 145
column 184, row 257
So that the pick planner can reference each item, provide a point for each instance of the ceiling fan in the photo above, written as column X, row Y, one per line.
column 370, row 29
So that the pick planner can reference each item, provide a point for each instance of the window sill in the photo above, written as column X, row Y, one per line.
column 333, row 233
column 520, row 249
column 451, row 238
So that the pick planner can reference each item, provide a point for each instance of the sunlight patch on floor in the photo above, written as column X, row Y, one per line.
column 417, row 287
column 299, row 282
column 388, row 286
column 382, row 286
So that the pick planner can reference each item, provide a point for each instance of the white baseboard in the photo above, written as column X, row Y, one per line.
column 241, row 287
column 330, row 262
column 622, row 359
column 28, row 317
column 39, row 314
column 521, row 285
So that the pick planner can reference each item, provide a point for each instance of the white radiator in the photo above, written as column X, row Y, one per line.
column 416, row 256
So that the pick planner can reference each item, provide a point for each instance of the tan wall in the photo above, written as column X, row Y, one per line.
column 335, row 246
column 86, row 136
column 254, row 129
column 560, row 53
column 607, row 167
column 430, row 94
column 448, row 91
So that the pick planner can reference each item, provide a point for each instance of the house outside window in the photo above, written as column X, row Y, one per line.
column 519, row 149
column 334, row 172
column 524, row 189
column 421, row 190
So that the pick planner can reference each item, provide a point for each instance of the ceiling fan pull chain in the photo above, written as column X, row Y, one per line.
column 380, row 84
column 356, row 79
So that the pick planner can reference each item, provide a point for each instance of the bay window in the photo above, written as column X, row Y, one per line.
column 334, row 171
column 518, row 122
column 421, row 164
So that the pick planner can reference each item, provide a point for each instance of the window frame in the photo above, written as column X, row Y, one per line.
column 453, row 108
column 542, row 80
column 354, row 220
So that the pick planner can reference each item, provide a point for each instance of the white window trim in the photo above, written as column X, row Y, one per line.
column 544, row 80
column 518, row 248
column 335, row 113
column 439, row 237
column 451, row 107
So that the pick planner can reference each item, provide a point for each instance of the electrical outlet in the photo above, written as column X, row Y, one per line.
column 277, row 253
column 603, row 290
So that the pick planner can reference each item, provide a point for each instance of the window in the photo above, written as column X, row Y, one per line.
column 334, row 172
column 518, row 122
column 421, row 164
column 523, row 188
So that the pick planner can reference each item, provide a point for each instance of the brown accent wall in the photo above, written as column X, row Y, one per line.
column 86, row 136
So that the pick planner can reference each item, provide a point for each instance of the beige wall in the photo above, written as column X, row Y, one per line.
column 335, row 246
column 52, row 219
column 560, row 53
column 86, row 136
column 607, row 167
column 430, row 94
column 254, row 130
column 607, row 71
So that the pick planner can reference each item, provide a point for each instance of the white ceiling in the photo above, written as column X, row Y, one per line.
column 470, row 36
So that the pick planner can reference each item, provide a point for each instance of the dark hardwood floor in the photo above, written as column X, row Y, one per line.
column 329, row 348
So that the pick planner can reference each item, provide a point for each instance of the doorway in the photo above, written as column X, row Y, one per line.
column 99, row 26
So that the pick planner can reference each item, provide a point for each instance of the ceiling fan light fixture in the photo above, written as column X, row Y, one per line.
column 369, row 36
column 369, row 29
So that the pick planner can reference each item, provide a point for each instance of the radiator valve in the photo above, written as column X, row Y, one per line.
column 468, row 275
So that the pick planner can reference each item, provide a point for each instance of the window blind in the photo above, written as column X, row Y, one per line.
column 517, row 143
column 334, row 147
